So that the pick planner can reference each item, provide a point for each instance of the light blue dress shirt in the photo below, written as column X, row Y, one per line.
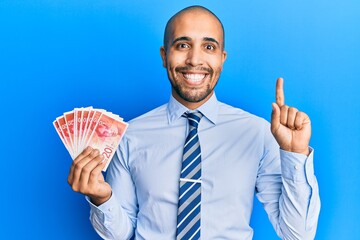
column 239, row 157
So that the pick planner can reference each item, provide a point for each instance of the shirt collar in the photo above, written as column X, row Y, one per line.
column 209, row 109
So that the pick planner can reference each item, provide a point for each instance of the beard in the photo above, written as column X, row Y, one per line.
column 192, row 94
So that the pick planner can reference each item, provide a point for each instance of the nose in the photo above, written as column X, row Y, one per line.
column 194, row 57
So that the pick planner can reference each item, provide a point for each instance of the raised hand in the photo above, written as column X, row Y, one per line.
column 290, row 127
column 85, row 176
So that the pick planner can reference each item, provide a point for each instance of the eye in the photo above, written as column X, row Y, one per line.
column 183, row 45
column 209, row 47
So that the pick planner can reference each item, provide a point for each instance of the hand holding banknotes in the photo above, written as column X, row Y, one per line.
column 86, row 176
column 91, row 137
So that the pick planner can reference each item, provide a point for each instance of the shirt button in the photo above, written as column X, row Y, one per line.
column 296, row 167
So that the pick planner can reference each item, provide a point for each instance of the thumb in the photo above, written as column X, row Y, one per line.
column 275, row 118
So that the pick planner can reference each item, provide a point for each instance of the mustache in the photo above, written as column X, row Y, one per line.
column 188, row 68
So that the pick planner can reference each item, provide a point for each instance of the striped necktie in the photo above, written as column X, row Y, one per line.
column 188, row 222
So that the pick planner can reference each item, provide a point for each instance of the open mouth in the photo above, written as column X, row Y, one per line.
column 194, row 78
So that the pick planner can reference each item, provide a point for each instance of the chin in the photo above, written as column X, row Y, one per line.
column 194, row 98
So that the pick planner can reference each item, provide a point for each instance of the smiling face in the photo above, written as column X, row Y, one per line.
column 194, row 56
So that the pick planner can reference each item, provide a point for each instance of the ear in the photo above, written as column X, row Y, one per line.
column 224, row 55
column 163, row 56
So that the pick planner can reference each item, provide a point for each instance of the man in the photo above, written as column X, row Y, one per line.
column 235, row 150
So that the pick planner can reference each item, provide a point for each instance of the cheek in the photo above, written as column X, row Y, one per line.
column 171, row 73
column 217, row 69
column 216, row 75
column 176, row 59
column 171, row 69
column 219, row 63
column 215, row 63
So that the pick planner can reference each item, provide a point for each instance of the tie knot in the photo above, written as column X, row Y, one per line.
column 194, row 118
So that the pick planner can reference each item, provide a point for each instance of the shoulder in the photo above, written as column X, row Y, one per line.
column 149, row 119
column 231, row 113
column 244, row 125
column 138, row 127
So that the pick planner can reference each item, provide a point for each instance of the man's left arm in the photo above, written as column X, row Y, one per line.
column 299, row 202
column 288, row 190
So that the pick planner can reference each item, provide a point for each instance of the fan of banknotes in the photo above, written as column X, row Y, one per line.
column 92, row 127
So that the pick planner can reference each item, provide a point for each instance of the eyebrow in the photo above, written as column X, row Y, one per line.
column 184, row 38
column 210, row 39
column 180, row 39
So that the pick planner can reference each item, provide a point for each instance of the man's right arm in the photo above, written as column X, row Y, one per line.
column 110, row 221
column 116, row 218
column 107, row 215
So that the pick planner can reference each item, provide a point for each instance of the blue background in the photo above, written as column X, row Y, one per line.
column 57, row 55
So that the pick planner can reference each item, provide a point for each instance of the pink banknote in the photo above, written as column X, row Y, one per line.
column 69, row 123
column 66, row 134
column 97, row 128
column 107, row 135
column 84, row 124
column 61, row 135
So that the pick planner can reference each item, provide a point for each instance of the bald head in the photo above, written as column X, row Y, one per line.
column 195, row 10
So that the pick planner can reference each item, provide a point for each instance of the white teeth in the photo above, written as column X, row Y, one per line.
column 194, row 77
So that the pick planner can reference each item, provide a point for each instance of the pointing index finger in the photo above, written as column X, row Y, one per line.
column 280, row 98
